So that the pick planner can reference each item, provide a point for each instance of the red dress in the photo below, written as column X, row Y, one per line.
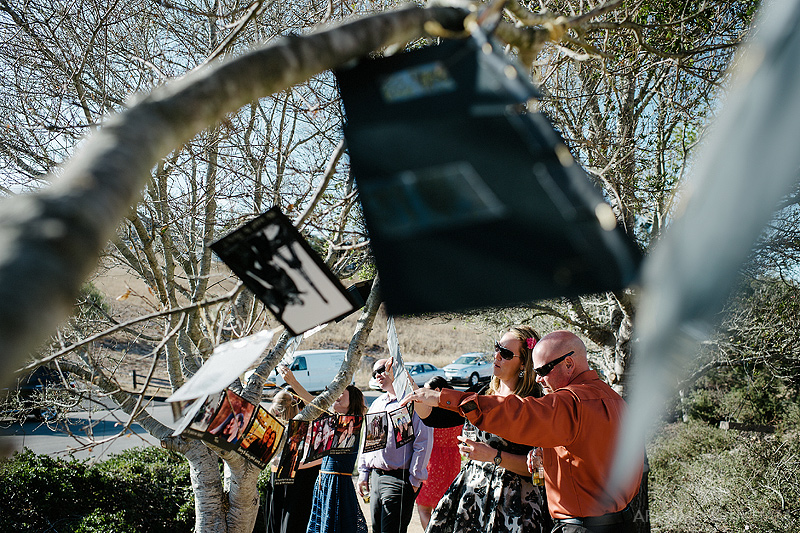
column 443, row 467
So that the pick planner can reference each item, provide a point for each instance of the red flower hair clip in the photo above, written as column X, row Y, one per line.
column 531, row 343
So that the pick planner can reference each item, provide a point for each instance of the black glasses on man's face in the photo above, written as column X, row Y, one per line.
column 545, row 369
column 504, row 352
column 378, row 371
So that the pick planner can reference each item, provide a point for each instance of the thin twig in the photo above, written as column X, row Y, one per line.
column 330, row 169
column 252, row 11
column 140, row 395
column 198, row 305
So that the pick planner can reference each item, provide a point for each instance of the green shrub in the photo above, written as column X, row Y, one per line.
column 142, row 490
column 98, row 520
column 750, row 396
column 152, row 477
column 706, row 479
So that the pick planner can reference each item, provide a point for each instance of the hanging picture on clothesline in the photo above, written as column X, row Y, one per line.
column 228, row 361
column 262, row 439
column 322, row 430
column 377, row 430
column 293, row 451
column 195, row 416
column 230, row 422
column 401, row 422
column 279, row 266
column 402, row 383
column 345, row 436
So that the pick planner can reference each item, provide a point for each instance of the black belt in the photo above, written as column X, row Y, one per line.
column 400, row 473
column 620, row 517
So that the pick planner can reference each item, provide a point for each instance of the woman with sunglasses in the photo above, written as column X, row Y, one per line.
column 493, row 491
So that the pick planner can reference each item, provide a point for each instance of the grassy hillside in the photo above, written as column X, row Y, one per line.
column 438, row 340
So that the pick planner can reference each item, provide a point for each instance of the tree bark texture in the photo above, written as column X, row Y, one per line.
column 209, row 498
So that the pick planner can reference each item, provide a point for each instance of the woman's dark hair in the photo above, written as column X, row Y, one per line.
column 438, row 382
column 357, row 405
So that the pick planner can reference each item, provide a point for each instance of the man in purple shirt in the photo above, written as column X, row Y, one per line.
column 393, row 476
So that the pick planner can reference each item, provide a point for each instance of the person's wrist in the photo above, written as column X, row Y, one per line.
column 498, row 458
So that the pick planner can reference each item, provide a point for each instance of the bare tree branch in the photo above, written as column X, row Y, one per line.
column 52, row 239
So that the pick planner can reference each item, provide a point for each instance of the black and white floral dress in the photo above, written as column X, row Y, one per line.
column 490, row 499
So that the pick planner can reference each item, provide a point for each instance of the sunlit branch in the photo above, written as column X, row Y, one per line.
column 197, row 305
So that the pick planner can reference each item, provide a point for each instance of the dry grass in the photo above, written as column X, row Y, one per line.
column 435, row 339
column 432, row 339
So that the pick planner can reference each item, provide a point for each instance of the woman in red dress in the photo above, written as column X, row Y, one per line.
column 444, row 465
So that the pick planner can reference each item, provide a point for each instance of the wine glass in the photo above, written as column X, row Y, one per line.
column 470, row 431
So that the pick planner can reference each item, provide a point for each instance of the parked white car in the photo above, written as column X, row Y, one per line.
column 420, row 373
column 470, row 368
column 314, row 369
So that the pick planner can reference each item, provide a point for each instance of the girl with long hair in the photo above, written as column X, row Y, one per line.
column 335, row 507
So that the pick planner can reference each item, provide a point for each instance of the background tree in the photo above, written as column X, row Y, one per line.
column 748, row 371
column 630, row 86
column 164, row 238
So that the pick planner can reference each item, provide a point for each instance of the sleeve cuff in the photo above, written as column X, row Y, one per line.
column 450, row 399
column 461, row 402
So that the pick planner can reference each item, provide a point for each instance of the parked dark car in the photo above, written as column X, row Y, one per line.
column 30, row 396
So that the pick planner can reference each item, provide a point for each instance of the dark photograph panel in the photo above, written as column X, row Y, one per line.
column 283, row 271
column 377, row 429
column 230, row 421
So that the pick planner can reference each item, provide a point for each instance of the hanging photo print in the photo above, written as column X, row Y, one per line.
column 262, row 439
column 401, row 422
column 182, row 407
column 308, row 443
column 377, row 430
column 198, row 417
column 230, row 421
column 486, row 168
column 283, row 271
column 322, row 430
column 402, row 383
column 229, row 360
column 292, row 452
column 345, row 435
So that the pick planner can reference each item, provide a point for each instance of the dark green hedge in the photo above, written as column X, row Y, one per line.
column 140, row 490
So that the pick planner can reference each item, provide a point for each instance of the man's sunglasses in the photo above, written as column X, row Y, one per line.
column 378, row 371
column 545, row 369
column 504, row 352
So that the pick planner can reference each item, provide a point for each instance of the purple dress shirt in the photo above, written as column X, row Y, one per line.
column 414, row 456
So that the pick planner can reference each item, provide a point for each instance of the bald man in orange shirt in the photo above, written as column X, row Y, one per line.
column 576, row 423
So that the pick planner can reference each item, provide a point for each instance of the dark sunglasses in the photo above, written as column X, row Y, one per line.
column 504, row 352
column 545, row 369
column 378, row 371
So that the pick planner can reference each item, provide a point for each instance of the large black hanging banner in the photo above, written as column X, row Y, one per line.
column 471, row 200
